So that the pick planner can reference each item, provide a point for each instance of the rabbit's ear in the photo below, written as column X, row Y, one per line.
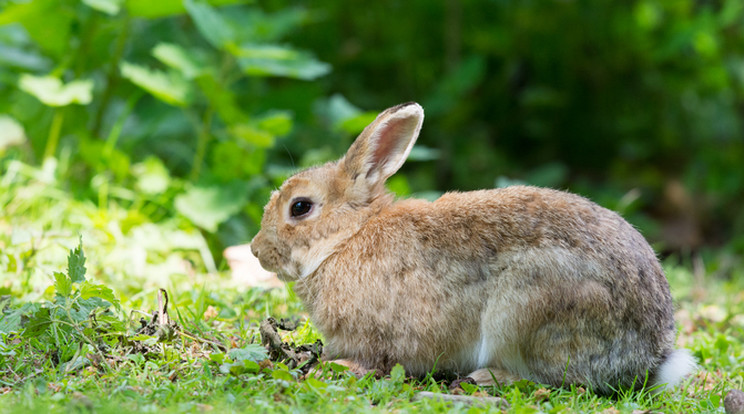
column 383, row 146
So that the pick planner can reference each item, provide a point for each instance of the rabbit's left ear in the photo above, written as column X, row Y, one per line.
column 383, row 146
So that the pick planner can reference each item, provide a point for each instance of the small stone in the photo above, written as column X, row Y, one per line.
column 734, row 402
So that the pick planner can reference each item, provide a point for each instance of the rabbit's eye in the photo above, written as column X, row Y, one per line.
column 300, row 207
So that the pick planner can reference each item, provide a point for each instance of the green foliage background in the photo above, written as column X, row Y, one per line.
column 155, row 131
column 198, row 108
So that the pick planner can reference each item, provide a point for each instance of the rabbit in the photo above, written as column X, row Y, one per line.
column 500, row 285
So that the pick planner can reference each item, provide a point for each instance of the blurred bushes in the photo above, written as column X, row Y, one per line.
column 198, row 109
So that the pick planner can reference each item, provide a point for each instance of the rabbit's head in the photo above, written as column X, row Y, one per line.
column 316, row 210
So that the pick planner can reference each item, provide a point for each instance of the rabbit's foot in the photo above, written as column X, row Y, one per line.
column 493, row 376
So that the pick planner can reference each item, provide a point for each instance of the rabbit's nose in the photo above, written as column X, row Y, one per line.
column 254, row 249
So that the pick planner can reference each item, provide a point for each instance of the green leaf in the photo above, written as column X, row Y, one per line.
column 11, row 132
column 46, row 21
column 252, row 135
column 38, row 323
column 52, row 92
column 231, row 160
column 251, row 366
column 222, row 99
column 152, row 176
column 171, row 88
column 273, row 60
column 162, row 8
column 76, row 264
column 398, row 374
column 208, row 206
column 62, row 284
column 89, row 290
column 277, row 123
column 338, row 368
column 281, row 374
column 250, row 352
column 186, row 62
column 355, row 124
column 11, row 321
column 210, row 24
column 110, row 7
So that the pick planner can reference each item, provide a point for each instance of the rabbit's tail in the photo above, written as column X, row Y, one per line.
column 677, row 365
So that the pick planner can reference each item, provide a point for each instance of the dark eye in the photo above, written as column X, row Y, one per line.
column 300, row 207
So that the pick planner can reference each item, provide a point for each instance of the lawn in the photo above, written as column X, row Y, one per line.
column 78, row 334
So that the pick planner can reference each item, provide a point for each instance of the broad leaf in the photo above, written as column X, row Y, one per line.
column 152, row 176
column 276, row 122
column 210, row 24
column 110, row 7
column 170, row 88
column 11, row 132
column 48, row 24
column 273, row 60
column 186, row 62
column 252, row 135
column 52, row 92
column 208, row 206
column 162, row 8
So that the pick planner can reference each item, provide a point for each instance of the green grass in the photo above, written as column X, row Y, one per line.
column 56, row 357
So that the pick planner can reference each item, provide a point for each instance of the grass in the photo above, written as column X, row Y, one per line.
column 71, row 338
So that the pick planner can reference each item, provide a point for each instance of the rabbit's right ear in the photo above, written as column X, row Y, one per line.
column 384, row 145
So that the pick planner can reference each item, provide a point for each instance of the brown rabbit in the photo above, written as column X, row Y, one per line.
column 504, row 284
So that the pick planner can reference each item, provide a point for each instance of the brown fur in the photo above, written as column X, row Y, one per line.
column 520, row 282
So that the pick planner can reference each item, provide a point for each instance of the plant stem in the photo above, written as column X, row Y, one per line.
column 54, row 132
column 112, row 77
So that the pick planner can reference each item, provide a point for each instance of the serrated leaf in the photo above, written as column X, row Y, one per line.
column 10, row 321
column 89, row 290
column 250, row 352
column 76, row 264
column 209, row 206
column 52, row 92
column 38, row 323
column 398, row 374
column 169, row 87
column 62, row 284
column 210, row 23
column 83, row 308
